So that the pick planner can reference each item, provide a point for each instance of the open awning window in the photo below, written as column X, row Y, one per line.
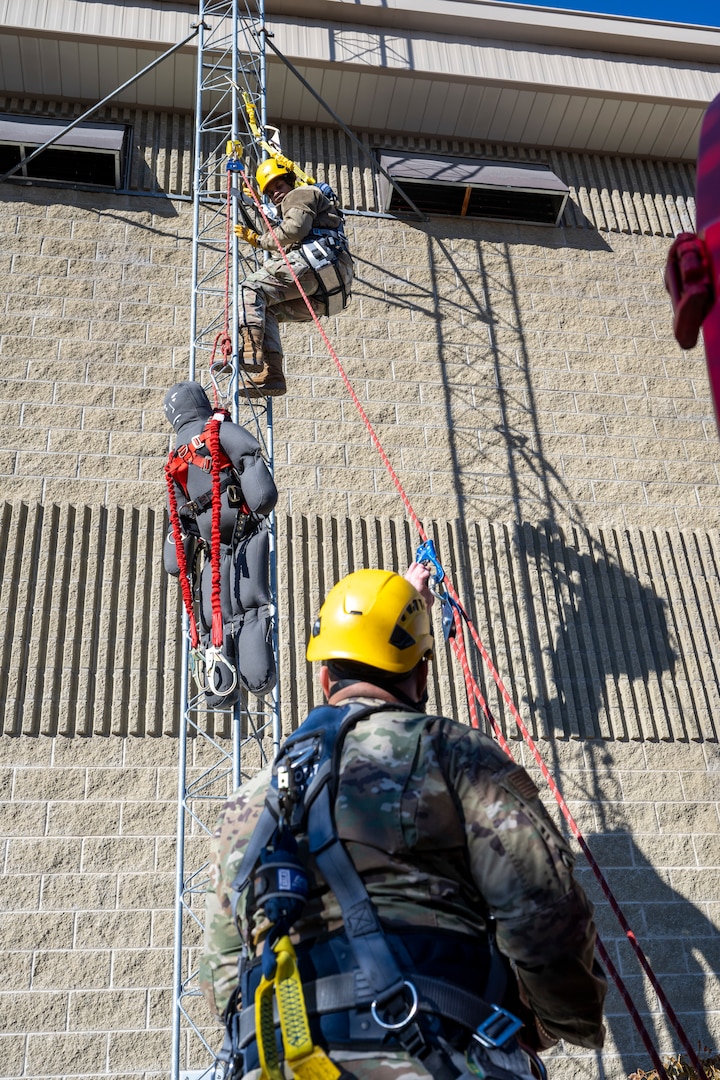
column 520, row 191
column 88, row 154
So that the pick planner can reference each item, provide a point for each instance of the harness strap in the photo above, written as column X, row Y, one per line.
column 178, row 540
column 340, row 993
column 213, row 426
column 320, row 252
column 192, row 509
column 328, row 719
column 191, row 454
column 365, row 934
column 261, row 836
column 395, row 995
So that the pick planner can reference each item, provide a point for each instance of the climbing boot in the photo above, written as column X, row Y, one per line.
column 252, row 358
column 271, row 381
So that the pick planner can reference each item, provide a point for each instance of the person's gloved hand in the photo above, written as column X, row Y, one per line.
column 248, row 235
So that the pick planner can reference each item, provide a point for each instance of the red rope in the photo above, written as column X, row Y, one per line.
column 669, row 1011
column 575, row 829
column 182, row 561
column 458, row 644
column 222, row 338
column 216, row 634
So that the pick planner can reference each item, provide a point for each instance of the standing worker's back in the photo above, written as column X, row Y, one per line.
column 431, row 864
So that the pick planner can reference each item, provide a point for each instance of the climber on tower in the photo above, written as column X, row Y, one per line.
column 308, row 224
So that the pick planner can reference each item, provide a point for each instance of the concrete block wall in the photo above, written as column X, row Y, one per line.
column 515, row 376
column 87, row 905
column 87, row 898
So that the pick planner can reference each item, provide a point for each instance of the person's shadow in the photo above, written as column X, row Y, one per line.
column 609, row 680
column 609, row 672
column 681, row 943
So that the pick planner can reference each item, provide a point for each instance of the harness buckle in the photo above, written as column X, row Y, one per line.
column 497, row 1029
column 235, row 495
column 196, row 441
column 399, row 1024
column 189, row 509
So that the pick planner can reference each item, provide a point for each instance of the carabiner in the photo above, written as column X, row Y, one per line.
column 214, row 661
column 426, row 553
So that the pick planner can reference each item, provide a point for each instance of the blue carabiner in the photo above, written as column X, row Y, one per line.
column 426, row 553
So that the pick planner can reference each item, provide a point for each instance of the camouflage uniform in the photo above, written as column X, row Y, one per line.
column 270, row 295
column 442, row 827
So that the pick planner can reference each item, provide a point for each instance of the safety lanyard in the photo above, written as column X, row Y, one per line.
column 305, row 1061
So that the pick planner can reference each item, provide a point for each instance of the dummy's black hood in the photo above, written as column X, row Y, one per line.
column 187, row 403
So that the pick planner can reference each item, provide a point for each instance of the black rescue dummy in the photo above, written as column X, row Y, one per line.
column 219, row 547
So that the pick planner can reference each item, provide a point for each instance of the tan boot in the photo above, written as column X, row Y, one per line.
column 271, row 381
column 251, row 357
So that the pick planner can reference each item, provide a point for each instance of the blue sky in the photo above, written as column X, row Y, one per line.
column 697, row 12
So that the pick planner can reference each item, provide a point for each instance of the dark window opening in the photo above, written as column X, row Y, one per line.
column 92, row 154
column 9, row 156
column 466, row 187
column 74, row 167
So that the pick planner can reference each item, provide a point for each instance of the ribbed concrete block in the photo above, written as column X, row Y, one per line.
column 90, row 640
column 584, row 627
column 603, row 633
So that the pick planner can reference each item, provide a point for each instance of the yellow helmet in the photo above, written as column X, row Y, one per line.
column 373, row 617
column 270, row 170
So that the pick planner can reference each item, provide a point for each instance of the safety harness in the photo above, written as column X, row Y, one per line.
column 204, row 452
column 197, row 453
column 321, row 251
column 373, row 996
column 322, row 247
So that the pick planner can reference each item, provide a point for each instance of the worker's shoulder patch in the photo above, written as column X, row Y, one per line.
column 522, row 783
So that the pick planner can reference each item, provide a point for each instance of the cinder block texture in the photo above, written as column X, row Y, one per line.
column 87, row 972
column 594, row 635
column 606, row 632
column 513, row 372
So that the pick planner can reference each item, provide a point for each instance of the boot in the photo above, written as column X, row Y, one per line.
column 251, row 357
column 271, row 381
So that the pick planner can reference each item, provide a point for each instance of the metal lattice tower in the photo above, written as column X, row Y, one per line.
column 217, row 747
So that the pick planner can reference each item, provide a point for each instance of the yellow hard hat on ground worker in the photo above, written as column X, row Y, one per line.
column 376, row 618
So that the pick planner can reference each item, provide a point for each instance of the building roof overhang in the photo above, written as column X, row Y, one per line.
column 453, row 69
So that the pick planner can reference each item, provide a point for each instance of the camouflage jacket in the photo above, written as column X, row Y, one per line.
column 444, row 829
column 304, row 208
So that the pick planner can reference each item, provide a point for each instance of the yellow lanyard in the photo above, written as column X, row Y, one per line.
column 304, row 1060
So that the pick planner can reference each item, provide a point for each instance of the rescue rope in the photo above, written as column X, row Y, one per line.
column 615, row 975
column 222, row 338
column 181, row 559
column 458, row 645
column 216, row 632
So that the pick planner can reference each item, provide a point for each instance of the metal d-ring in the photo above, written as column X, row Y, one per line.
column 413, row 1008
